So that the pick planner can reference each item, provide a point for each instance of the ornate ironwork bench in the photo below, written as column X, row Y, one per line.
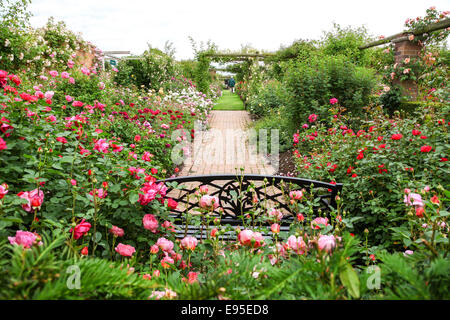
column 236, row 194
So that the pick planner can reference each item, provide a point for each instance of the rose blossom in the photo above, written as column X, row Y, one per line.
column 416, row 200
column 315, row 224
column 275, row 228
column 3, row 190
column 250, row 238
column 25, row 239
column 312, row 118
column 192, row 277
column 326, row 243
column 275, row 214
column 296, row 194
column 166, row 262
column 188, row 243
column 333, row 100
column 81, row 229
column 164, row 244
column 154, row 249
column 209, row 202
column 296, row 244
column 125, row 250
column 150, row 222
column 116, row 231
column 172, row 204
column 35, row 199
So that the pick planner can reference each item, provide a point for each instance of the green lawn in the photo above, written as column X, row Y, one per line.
column 229, row 101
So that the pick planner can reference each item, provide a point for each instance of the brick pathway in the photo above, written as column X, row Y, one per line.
column 225, row 148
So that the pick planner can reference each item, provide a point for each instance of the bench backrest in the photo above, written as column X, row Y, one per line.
column 226, row 187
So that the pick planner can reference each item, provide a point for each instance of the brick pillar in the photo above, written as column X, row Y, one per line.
column 404, row 48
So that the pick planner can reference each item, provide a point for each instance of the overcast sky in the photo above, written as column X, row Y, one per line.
column 131, row 24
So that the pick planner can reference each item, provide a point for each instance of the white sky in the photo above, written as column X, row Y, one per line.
column 131, row 24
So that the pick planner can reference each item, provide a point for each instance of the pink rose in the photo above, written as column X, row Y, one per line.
column 25, row 239
column 164, row 244
column 333, row 100
column 275, row 228
column 150, row 222
column 101, row 145
column 118, row 232
column 154, row 249
column 147, row 156
column 54, row 73
column 77, row 103
column 413, row 199
column 166, row 262
column 317, row 222
column 81, row 229
column 312, row 118
column 250, row 238
column 275, row 214
column 125, row 250
column 296, row 195
column 192, row 277
column 209, row 202
column 296, row 244
column 35, row 199
column 188, row 243
column 49, row 94
column 100, row 193
column 2, row 144
column 326, row 243
column 3, row 190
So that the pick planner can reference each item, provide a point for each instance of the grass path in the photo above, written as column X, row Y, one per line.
column 229, row 101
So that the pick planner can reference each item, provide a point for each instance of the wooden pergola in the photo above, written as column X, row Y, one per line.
column 239, row 56
column 403, row 36
column 405, row 48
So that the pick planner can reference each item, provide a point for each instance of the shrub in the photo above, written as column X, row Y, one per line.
column 377, row 163
column 270, row 98
column 311, row 84
column 151, row 70
column 276, row 120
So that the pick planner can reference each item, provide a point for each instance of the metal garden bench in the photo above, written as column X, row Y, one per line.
column 236, row 194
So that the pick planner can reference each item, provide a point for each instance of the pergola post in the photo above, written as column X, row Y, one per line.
column 405, row 48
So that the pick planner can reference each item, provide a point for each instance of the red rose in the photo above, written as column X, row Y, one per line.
column 425, row 148
column 85, row 251
column 397, row 136
column 172, row 204
column 81, row 229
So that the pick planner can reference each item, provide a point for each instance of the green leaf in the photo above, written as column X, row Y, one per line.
column 97, row 237
column 134, row 196
column 350, row 280
column 67, row 159
column 11, row 219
